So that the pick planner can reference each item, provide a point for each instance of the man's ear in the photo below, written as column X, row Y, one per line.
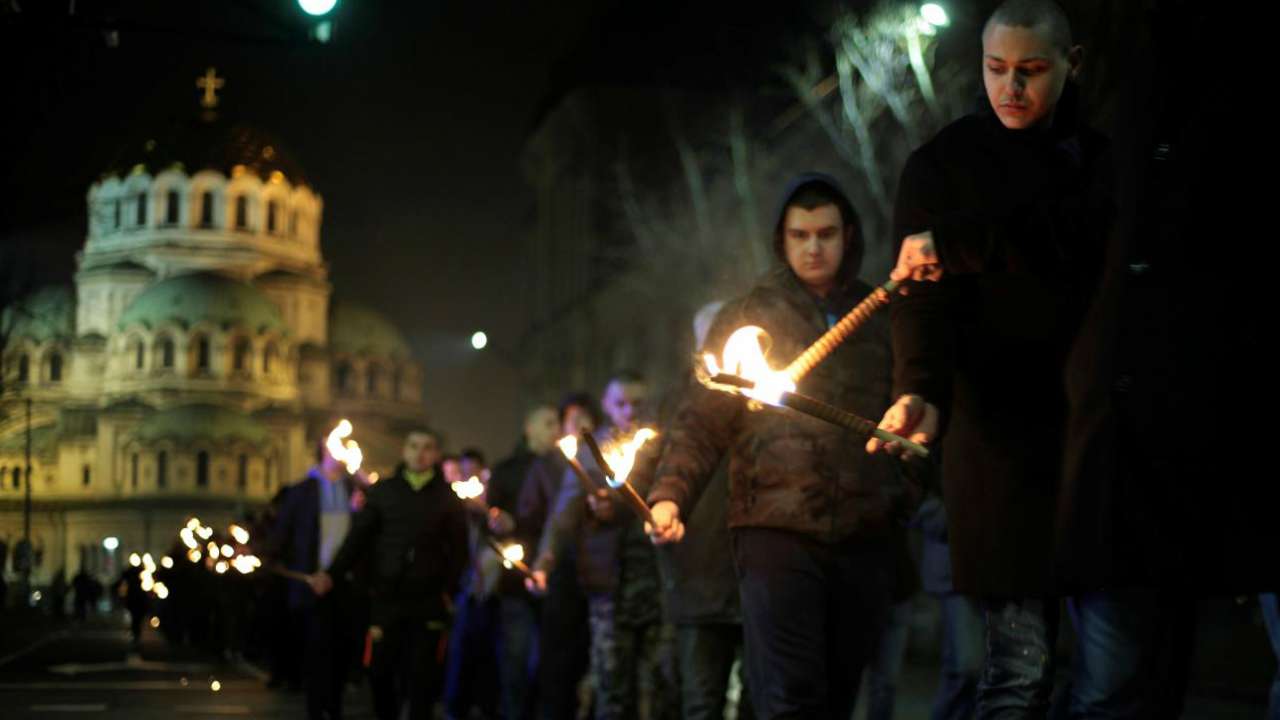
column 1075, row 61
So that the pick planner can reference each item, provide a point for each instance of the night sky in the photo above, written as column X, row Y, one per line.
column 410, row 123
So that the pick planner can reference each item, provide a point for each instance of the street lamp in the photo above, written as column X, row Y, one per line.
column 935, row 15
column 111, row 543
column 317, row 7
column 479, row 340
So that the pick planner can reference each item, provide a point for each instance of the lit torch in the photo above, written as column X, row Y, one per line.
column 348, row 453
column 831, row 339
column 616, row 461
column 746, row 372
column 512, row 557
column 569, row 448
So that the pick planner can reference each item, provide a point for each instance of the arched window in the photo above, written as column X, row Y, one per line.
column 273, row 209
column 268, row 357
column 206, row 209
column 140, row 214
column 116, row 211
column 133, row 471
column 242, row 212
column 202, row 353
column 55, row 367
column 342, row 376
column 202, row 469
column 166, row 353
column 397, row 383
column 24, row 368
column 171, row 208
column 240, row 355
column 85, row 476
column 371, row 376
column 139, row 355
column 17, row 477
column 242, row 472
column 162, row 469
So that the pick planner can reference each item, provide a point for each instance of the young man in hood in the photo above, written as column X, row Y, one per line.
column 810, row 515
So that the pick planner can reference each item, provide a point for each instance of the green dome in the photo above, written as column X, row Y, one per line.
column 356, row 329
column 203, row 297
column 46, row 314
column 190, row 423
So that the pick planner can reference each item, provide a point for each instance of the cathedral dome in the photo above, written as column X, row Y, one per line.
column 358, row 330
column 203, row 298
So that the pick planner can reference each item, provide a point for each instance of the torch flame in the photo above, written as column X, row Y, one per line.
column 569, row 446
column 468, row 489
column 512, row 554
column 620, row 454
column 744, row 357
column 347, row 453
column 240, row 534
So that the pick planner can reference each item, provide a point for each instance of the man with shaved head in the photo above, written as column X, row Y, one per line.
column 1004, row 220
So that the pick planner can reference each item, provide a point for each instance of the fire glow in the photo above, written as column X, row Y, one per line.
column 348, row 453
column 468, row 489
column 744, row 357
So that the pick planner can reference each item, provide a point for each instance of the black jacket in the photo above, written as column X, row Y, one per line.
column 1020, row 220
column 416, row 542
column 505, row 488
column 295, row 537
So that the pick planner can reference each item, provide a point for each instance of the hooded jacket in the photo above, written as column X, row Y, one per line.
column 786, row 470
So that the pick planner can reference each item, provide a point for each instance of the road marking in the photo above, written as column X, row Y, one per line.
column 37, row 644
column 68, row 707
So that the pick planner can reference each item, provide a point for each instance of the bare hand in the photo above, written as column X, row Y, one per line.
column 913, row 418
column 918, row 259
column 320, row 583
column 601, row 504
column 501, row 522
column 667, row 527
column 538, row 583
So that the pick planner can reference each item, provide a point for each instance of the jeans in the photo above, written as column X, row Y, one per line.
column 707, row 652
column 886, row 665
column 811, row 614
column 1271, row 616
column 517, row 654
column 963, row 652
column 472, row 664
column 1018, row 679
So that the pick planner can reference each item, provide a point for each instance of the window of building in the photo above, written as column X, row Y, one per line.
column 85, row 476
column 115, row 214
column 371, row 377
column 342, row 376
column 133, row 471
column 17, row 477
column 242, row 472
column 166, row 353
column 242, row 213
column 268, row 357
column 140, row 215
column 202, row 353
column 55, row 367
column 162, row 469
column 206, row 209
column 273, row 209
column 139, row 355
column 240, row 355
column 171, row 207
column 24, row 369
column 202, row 469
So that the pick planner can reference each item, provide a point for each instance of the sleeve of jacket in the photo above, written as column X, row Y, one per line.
column 567, row 514
column 365, row 526
column 701, row 432
column 923, row 331
column 531, row 508
column 280, row 540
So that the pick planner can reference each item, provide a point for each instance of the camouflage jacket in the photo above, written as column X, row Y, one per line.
column 786, row 470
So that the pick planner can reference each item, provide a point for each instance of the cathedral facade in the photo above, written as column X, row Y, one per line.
column 195, row 361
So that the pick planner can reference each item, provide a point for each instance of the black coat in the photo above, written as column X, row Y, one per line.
column 505, row 488
column 1020, row 220
column 416, row 543
column 295, row 537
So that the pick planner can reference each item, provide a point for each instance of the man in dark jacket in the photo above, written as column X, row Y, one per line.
column 517, row 611
column 1008, row 213
column 617, row 569
column 810, row 516
column 313, row 521
column 413, row 532
column 563, row 637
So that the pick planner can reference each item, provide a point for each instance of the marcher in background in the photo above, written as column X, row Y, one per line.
column 412, row 531
column 129, row 589
column 313, row 522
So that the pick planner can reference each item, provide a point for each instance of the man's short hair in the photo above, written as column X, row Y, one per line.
column 578, row 399
column 474, row 455
column 424, row 430
column 1034, row 13
column 813, row 195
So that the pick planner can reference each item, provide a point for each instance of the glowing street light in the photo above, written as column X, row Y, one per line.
column 479, row 340
column 934, row 14
column 317, row 8
column 111, row 543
